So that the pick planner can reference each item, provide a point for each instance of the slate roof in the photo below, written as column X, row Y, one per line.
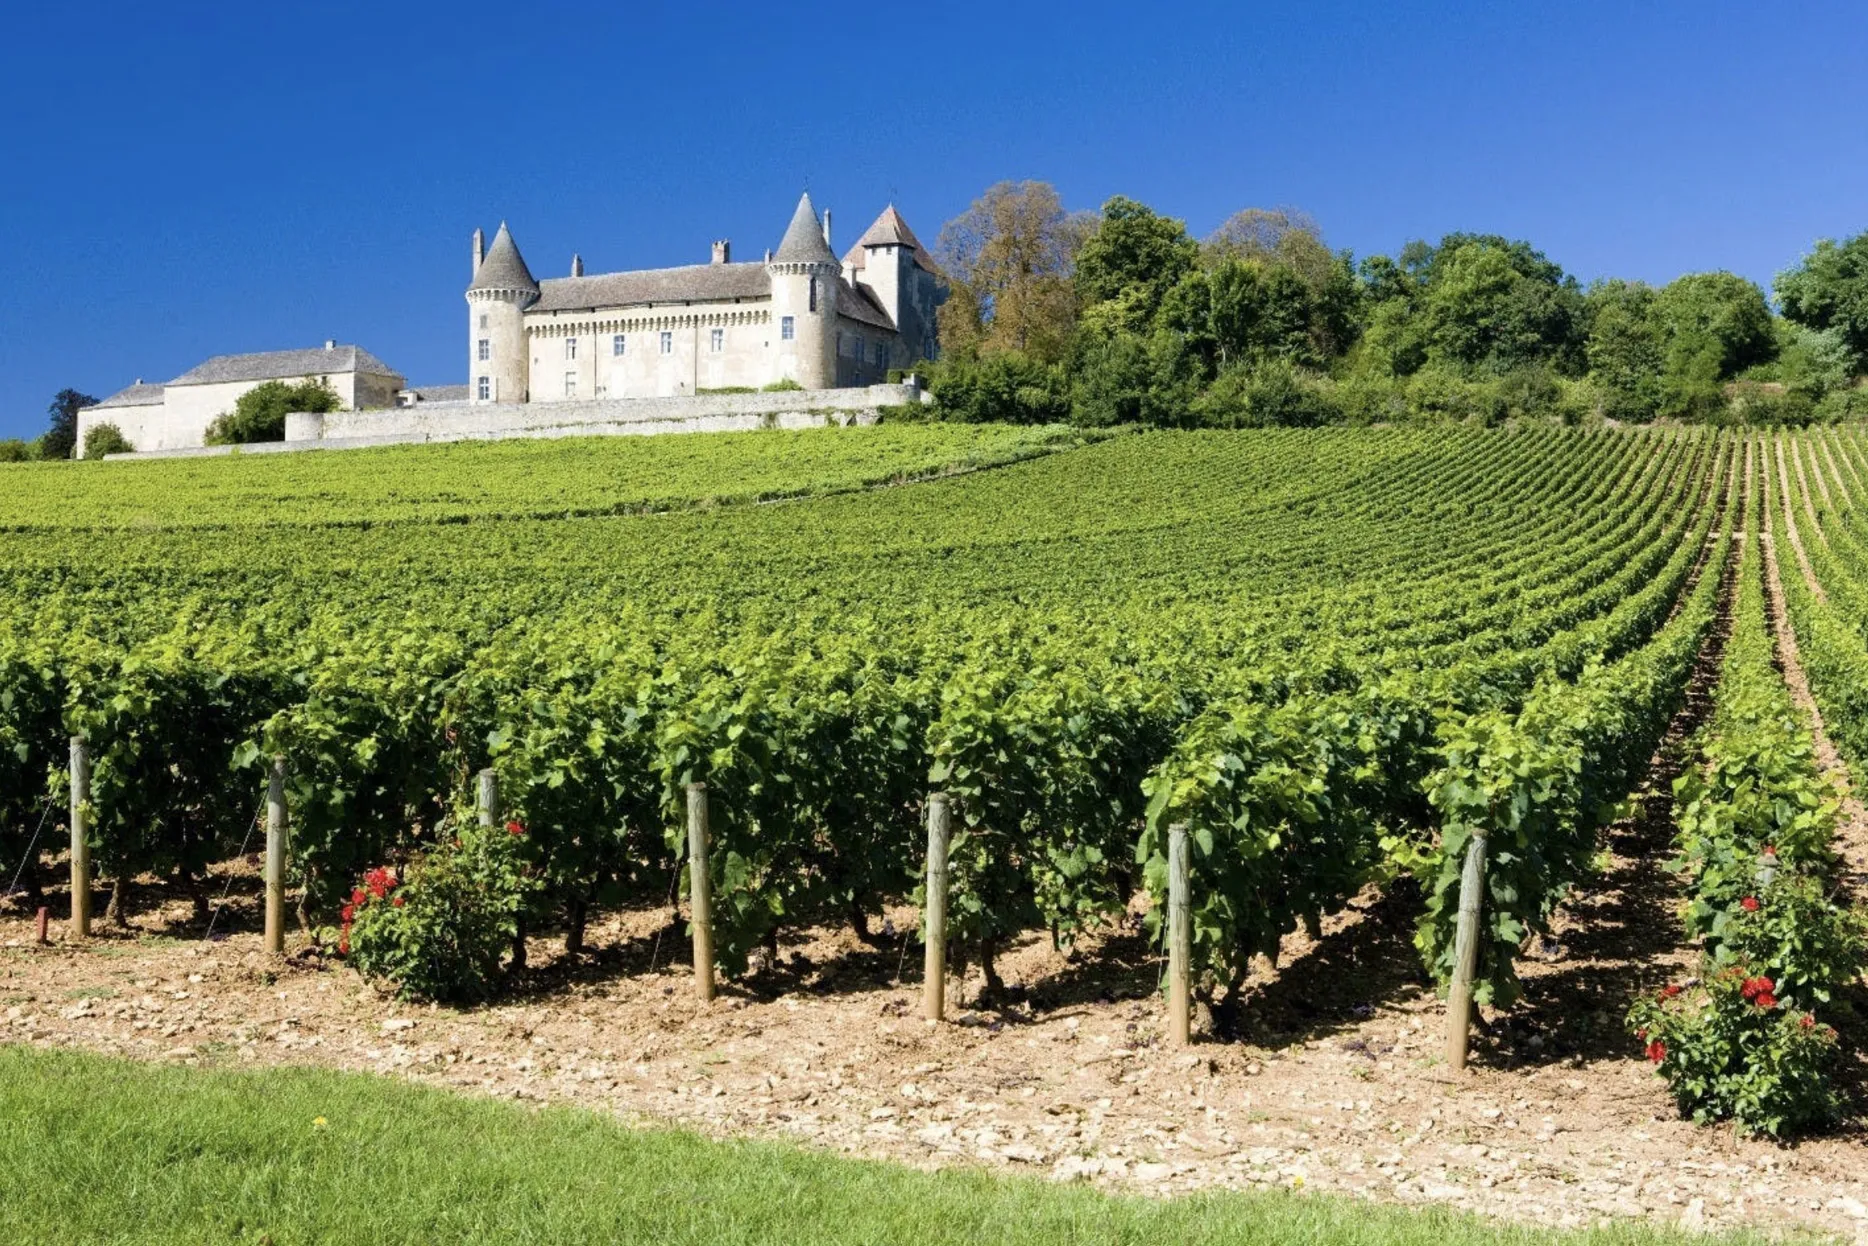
column 889, row 229
column 438, row 393
column 693, row 283
column 141, row 394
column 803, row 242
column 503, row 268
column 857, row 303
column 275, row 365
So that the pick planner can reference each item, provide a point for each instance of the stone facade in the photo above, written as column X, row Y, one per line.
column 800, row 315
column 499, row 421
column 176, row 414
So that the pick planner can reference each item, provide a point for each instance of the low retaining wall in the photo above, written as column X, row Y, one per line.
column 493, row 421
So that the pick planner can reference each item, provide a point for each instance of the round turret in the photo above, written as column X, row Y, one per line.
column 501, row 290
column 804, row 272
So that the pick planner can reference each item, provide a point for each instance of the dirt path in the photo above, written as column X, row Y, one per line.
column 1852, row 829
column 1790, row 528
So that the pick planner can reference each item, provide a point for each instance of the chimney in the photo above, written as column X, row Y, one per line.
column 479, row 250
column 723, row 251
column 577, row 266
column 827, row 229
column 330, row 343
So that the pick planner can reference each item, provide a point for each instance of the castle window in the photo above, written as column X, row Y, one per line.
column 486, row 388
column 570, row 348
column 813, row 294
column 668, row 342
column 717, row 340
column 486, row 350
column 570, row 384
column 787, row 328
column 483, row 322
column 616, row 346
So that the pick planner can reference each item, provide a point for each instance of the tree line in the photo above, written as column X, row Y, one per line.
column 1121, row 316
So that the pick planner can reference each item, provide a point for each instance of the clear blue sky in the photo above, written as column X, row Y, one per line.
column 189, row 179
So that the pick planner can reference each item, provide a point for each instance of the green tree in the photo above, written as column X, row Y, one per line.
column 14, row 450
column 1134, row 249
column 61, row 438
column 1829, row 290
column 259, row 414
column 1624, row 349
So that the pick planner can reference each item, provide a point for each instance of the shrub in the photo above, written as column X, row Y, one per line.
column 439, row 934
column 259, row 414
column 782, row 386
column 102, row 439
column 1008, row 388
column 1272, row 394
column 17, row 451
column 1730, row 1048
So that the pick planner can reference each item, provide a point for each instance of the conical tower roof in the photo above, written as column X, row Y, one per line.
column 889, row 229
column 503, row 268
column 804, row 238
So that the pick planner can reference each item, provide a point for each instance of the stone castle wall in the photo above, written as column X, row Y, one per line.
column 483, row 421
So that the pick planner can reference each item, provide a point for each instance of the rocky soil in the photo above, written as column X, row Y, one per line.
column 1335, row 1084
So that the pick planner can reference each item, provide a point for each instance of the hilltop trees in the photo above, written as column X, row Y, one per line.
column 1122, row 316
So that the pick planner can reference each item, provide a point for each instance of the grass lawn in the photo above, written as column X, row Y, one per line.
column 100, row 1150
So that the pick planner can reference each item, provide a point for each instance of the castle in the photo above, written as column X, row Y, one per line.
column 799, row 317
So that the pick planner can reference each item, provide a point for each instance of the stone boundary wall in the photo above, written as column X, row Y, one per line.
column 495, row 421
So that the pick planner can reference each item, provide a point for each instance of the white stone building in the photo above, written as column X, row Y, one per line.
column 176, row 414
column 799, row 315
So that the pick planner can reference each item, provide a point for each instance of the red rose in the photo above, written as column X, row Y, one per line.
column 1808, row 1022
column 397, row 901
column 1657, row 1051
column 343, row 946
column 1770, row 850
column 1766, row 1001
column 515, row 828
column 349, row 912
column 1670, row 990
column 358, row 895
column 1749, row 904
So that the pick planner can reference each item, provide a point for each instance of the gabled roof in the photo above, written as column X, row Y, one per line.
column 856, row 303
column 503, row 268
column 693, row 283
column 140, row 394
column 273, row 365
column 889, row 229
column 437, row 393
column 804, row 238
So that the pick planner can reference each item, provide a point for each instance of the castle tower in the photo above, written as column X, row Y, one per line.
column 502, row 288
column 893, row 265
column 804, row 273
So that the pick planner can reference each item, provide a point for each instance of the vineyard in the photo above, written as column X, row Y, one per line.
column 1332, row 659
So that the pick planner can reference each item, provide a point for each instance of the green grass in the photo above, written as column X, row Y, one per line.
column 100, row 1150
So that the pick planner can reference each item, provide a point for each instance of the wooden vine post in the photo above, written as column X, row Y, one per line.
column 700, row 891
column 1180, row 938
column 80, row 840
column 275, row 859
column 488, row 797
column 934, row 970
column 1465, row 953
